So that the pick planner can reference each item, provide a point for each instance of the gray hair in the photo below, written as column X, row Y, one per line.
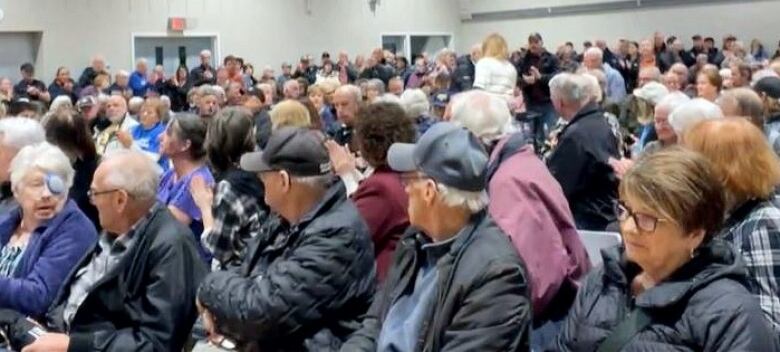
column 593, row 85
column 134, row 104
column 353, row 90
column 61, row 102
column 122, row 73
column 43, row 156
column 377, row 85
column 318, row 182
column 139, row 179
column 672, row 101
column 692, row 112
column 415, row 103
column 206, row 89
column 571, row 88
column 473, row 201
column 486, row 115
column 388, row 98
column 19, row 132
column 594, row 51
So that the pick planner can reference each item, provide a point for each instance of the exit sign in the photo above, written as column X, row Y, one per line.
column 178, row 24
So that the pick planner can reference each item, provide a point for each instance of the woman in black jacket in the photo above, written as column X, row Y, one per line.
column 177, row 88
column 670, row 286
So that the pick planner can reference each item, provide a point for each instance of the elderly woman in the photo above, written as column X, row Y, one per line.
column 44, row 237
column 709, row 83
column 232, row 216
column 417, row 107
column 671, row 285
column 380, row 197
column 182, row 143
column 15, row 134
column 749, row 174
column 690, row 113
column 375, row 88
column 146, row 136
column 664, row 131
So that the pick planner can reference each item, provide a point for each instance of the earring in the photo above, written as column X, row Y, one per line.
column 693, row 253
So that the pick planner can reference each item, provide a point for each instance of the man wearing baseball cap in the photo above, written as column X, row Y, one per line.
column 309, row 276
column 456, row 282
column 769, row 90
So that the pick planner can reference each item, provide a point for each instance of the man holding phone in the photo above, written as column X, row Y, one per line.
column 29, row 87
column 535, row 71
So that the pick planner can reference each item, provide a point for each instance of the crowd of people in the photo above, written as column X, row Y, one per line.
column 394, row 204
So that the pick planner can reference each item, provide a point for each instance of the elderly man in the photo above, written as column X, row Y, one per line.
column 396, row 86
column 121, row 124
column 205, row 72
column 616, row 87
column 456, row 282
column 312, row 273
column 97, row 66
column 292, row 89
column 138, row 79
column 463, row 78
column 580, row 160
column 528, row 205
column 209, row 101
column 15, row 134
column 346, row 100
column 743, row 102
column 136, row 289
column 121, row 85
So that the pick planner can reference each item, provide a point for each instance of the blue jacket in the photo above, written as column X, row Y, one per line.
column 54, row 248
column 138, row 84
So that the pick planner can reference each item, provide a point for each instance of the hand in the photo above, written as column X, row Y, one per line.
column 49, row 342
column 341, row 158
column 68, row 86
column 32, row 91
column 529, row 79
column 620, row 167
column 208, row 75
column 201, row 192
column 535, row 72
column 125, row 138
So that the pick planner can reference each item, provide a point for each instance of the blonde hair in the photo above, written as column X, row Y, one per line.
column 290, row 113
column 495, row 46
column 741, row 156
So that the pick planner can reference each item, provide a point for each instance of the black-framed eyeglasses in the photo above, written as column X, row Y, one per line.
column 92, row 193
column 644, row 222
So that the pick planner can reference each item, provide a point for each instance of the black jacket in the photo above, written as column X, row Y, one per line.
column 482, row 297
column 177, row 94
column 703, row 306
column 87, row 77
column 147, row 303
column 380, row 71
column 547, row 64
column 301, row 288
column 196, row 75
column 580, row 164
column 463, row 79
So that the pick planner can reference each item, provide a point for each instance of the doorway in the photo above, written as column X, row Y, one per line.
column 173, row 51
column 18, row 48
column 413, row 44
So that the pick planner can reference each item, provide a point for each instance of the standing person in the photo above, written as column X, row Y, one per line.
column 205, row 72
column 536, row 69
column 29, row 87
column 177, row 88
column 593, row 59
column 139, row 81
column 580, row 161
column 182, row 142
column 63, row 85
column 284, row 77
column 97, row 66
column 628, row 65
column 347, row 71
column 464, row 75
column 494, row 73
column 234, row 212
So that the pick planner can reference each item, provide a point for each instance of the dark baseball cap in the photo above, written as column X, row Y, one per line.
column 769, row 86
column 448, row 154
column 299, row 151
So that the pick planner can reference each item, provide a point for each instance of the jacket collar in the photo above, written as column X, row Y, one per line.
column 334, row 196
column 712, row 261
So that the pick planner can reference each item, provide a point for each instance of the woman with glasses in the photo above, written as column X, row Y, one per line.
column 750, row 174
column 183, row 142
column 146, row 136
column 44, row 237
column 671, row 285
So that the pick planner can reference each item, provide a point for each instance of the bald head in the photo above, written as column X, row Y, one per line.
column 116, row 108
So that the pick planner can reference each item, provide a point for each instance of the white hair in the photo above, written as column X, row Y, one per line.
column 473, row 201
column 377, row 85
column 141, row 61
column 594, row 51
column 43, row 156
column 61, row 102
column 319, row 181
column 122, row 73
column 135, row 104
column 415, row 103
column 205, row 52
column 19, row 132
column 692, row 112
column 351, row 89
column 486, row 115
column 388, row 98
column 139, row 179
column 725, row 73
column 672, row 101
column 571, row 88
column 761, row 74
column 593, row 86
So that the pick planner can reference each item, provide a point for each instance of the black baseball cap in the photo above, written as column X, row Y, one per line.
column 299, row 151
column 447, row 153
column 769, row 86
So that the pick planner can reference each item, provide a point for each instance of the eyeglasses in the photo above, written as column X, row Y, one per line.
column 644, row 222
column 92, row 193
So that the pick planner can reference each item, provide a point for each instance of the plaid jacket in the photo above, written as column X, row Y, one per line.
column 237, row 219
column 754, row 229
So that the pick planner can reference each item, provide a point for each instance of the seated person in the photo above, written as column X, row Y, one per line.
column 673, row 285
column 136, row 290
column 456, row 282
column 45, row 236
column 146, row 136
column 15, row 134
column 311, row 275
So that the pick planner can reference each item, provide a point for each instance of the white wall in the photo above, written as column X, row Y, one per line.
column 261, row 31
column 747, row 21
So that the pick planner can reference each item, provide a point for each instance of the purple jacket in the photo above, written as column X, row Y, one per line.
column 528, row 204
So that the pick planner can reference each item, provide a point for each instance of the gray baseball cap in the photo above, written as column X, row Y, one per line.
column 449, row 154
column 299, row 151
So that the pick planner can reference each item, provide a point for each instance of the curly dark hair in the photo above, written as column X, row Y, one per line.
column 380, row 125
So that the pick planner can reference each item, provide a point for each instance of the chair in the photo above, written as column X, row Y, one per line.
column 595, row 241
